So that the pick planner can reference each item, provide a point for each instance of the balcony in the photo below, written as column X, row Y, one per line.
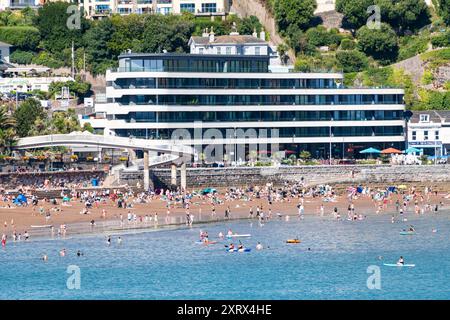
column 20, row 4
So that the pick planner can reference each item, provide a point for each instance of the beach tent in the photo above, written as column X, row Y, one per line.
column 412, row 150
column 390, row 151
column 208, row 190
column 370, row 150
column 20, row 200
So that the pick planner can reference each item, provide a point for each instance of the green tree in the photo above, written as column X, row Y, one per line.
column 409, row 15
column 294, row 15
column 381, row 43
column 444, row 10
column 167, row 33
column 52, row 20
column 80, row 88
column 64, row 122
column 22, row 37
column 352, row 60
column 98, row 54
column 355, row 12
column 26, row 114
column 21, row 57
column 127, row 33
column 7, row 129
column 248, row 25
column 299, row 42
column 320, row 36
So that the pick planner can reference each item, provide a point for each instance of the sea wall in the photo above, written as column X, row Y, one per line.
column 311, row 175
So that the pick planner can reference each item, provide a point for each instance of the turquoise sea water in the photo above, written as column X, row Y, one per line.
column 167, row 264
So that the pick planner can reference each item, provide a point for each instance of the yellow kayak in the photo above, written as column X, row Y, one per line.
column 293, row 241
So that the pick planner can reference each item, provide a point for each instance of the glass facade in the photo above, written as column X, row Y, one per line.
column 337, row 99
column 187, row 7
column 214, row 116
column 212, row 83
column 289, row 132
column 194, row 63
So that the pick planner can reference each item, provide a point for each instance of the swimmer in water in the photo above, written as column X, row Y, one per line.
column 62, row 253
column 108, row 241
column 44, row 257
column 79, row 253
column 259, row 246
column 119, row 240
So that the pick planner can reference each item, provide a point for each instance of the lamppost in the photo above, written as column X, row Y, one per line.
column 330, row 148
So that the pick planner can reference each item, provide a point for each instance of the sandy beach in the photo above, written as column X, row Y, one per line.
column 21, row 219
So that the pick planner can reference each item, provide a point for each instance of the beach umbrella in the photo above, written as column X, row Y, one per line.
column 390, row 150
column 412, row 150
column 370, row 150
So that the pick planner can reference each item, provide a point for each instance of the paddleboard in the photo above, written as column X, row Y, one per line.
column 239, row 250
column 238, row 235
column 407, row 233
column 398, row 265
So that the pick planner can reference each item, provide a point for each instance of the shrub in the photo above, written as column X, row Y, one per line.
column 352, row 61
column 21, row 57
column 347, row 44
column 46, row 59
column 23, row 37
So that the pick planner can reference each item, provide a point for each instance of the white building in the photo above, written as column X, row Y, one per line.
column 98, row 8
column 233, row 44
column 231, row 98
column 430, row 131
column 26, row 79
column 19, row 4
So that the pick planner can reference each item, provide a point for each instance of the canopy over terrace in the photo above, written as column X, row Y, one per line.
column 391, row 151
column 370, row 150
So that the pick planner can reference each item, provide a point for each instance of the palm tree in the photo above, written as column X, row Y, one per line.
column 7, row 129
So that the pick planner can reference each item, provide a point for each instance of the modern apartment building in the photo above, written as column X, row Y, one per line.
column 224, row 93
column 99, row 8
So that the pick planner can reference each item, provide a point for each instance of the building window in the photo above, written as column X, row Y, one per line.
column 228, row 50
column 414, row 135
column 219, row 50
column 425, row 135
column 424, row 118
column 209, row 7
column 201, row 50
column 257, row 51
column 436, row 135
column 187, row 7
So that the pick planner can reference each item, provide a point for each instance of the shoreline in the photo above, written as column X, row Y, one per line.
column 144, row 228
column 107, row 214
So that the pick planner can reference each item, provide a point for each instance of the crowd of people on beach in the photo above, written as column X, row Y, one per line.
column 28, row 182
column 258, row 200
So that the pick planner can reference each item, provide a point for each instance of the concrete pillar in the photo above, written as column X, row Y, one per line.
column 173, row 174
column 146, row 172
column 183, row 176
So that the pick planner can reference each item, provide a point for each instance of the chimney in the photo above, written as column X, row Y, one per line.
column 234, row 30
column 211, row 35
column 262, row 35
column 205, row 33
column 255, row 34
